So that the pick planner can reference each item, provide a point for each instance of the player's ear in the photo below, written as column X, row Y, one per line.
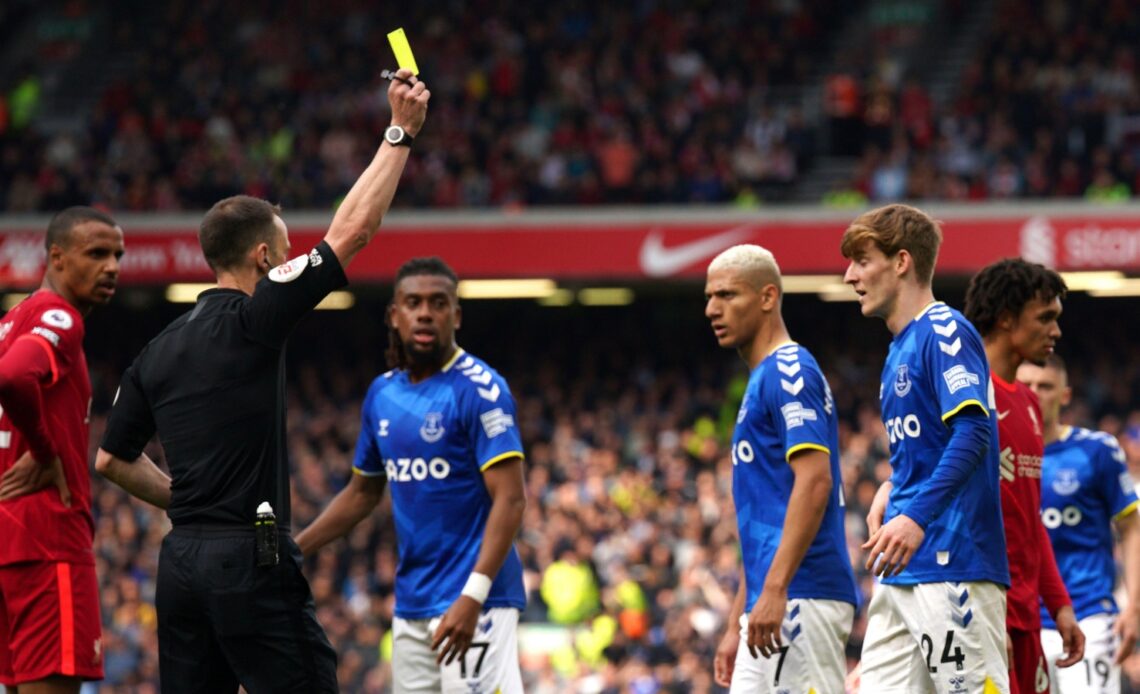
column 55, row 256
column 458, row 314
column 769, row 297
column 904, row 262
column 1005, row 321
column 1066, row 396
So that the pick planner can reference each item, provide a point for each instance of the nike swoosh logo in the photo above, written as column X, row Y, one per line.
column 1002, row 415
column 658, row 261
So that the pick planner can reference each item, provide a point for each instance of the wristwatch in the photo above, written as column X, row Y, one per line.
column 398, row 137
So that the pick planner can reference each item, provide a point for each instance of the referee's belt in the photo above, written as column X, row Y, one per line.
column 220, row 530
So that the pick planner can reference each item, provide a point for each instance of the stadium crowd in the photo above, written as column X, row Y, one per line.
column 624, row 416
column 581, row 103
column 1048, row 107
column 590, row 103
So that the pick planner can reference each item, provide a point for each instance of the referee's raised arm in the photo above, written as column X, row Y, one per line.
column 358, row 218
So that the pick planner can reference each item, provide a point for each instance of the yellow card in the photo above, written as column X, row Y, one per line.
column 403, row 51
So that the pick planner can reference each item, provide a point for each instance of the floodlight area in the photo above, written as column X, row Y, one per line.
column 538, row 288
column 186, row 292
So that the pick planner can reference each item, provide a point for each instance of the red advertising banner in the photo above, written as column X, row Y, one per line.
column 618, row 247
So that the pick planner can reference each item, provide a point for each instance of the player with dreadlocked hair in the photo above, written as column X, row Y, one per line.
column 1015, row 305
column 398, row 352
column 439, row 428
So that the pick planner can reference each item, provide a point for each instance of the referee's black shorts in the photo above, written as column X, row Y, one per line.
column 222, row 620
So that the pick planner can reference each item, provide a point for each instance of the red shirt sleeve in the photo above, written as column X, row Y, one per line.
column 1049, row 583
column 24, row 370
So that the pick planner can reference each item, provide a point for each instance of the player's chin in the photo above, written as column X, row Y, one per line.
column 726, row 340
column 424, row 353
column 100, row 297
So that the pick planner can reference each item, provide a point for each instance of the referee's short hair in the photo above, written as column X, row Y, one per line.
column 232, row 227
column 60, row 227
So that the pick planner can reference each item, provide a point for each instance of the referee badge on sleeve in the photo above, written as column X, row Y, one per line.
column 287, row 272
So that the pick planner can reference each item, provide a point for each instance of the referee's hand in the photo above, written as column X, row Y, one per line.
column 26, row 476
column 456, row 629
column 408, row 97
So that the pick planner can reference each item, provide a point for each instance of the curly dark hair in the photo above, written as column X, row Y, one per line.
column 432, row 265
column 1006, row 287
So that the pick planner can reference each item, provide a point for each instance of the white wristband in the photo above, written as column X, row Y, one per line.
column 477, row 588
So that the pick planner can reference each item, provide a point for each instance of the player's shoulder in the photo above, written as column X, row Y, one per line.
column 469, row 371
column 48, row 315
column 50, row 308
column 944, row 330
column 788, row 370
column 388, row 379
column 791, row 359
column 1097, row 442
column 942, row 320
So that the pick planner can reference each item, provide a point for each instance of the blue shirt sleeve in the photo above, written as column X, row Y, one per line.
column 969, row 442
column 491, row 424
column 957, row 366
column 1115, row 480
column 804, row 405
column 368, row 460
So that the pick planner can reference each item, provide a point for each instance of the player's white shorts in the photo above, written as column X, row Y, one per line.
column 814, row 636
column 947, row 638
column 1096, row 673
column 491, row 665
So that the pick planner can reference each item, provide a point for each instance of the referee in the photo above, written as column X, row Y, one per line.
column 231, row 609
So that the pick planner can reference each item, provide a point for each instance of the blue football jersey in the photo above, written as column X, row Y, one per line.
column 936, row 367
column 433, row 440
column 1085, row 485
column 787, row 408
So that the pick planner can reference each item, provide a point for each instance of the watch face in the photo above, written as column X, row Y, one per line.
column 394, row 134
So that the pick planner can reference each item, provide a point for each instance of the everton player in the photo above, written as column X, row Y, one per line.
column 439, row 430
column 936, row 621
column 1086, row 490
column 1015, row 306
column 49, row 602
column 798, row 590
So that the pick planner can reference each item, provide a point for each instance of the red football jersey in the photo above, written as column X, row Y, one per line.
column 37, row 526
column 1032, row 568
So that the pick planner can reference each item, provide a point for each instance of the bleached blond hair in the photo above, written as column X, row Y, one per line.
column 755, row 263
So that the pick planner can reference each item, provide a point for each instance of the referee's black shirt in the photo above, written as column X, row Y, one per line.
column 212, row 384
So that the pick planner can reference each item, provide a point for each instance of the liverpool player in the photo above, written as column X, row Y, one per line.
column 49, row 602
column 1086, row 490
column 1015, row 305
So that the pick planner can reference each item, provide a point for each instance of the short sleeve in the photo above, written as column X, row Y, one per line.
column 490, row 410
column 957, row 365
column 1116, row 482
column 803, row 403
column 59, row 329
column 288, row 292
column 131, row 423
column 368, row 459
